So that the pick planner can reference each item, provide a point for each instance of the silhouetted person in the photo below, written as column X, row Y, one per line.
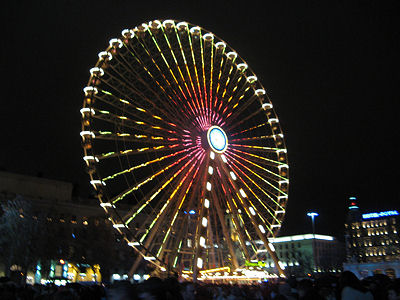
column 307, row 291
column 351, row 288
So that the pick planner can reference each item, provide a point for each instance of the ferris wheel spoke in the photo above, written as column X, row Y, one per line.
column 174, row 85
column 177, row 63
column 261, row 158
column 276, row 177
column 130, row 190
column 255, row 138
column 263, row 204
column 247, row 130
column 196, row 94
column 127, row 107
column 145, row 128
column 139, row 208
column 269, row 194
column 180, row 202
column 128, row 67
column 256, row 148
column 225, row 231
column 144, row 150
column 259, row 177
column 145, row 164
column 243, row 120
column 231, row 191
column 169, row 102
column 149, row 235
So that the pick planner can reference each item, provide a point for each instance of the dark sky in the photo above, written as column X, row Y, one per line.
column 331, row 70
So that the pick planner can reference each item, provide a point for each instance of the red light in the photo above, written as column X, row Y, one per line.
column 353, row 203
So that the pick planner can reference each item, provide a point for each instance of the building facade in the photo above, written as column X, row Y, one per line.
column 372, row 242
column 306, row 254
column 79, row 241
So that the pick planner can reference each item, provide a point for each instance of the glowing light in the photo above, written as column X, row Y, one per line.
column 90, row 90
column 127, row 33
column 217, row 139
column 168, row 23
column 204, row 222
column 96, row 71
column 233, row 175
column 97, row 182
column 208, row 37
column 220, row 45
column 85, row 110
column 208, row 186
column 231, row 55
column 251, row 79
column 242, row 193
column 106, row 204
column 87, row 133
column 202, row 242
column 212, row 155
column 199, row 263
column 90, row 158
column 259, row 92
column 192, row 212
column 271, row 247
column 105, row 55
column 261, row 228
column 119, row 225
column 380, row 214
column 210, row 170
column 252, row 211
column 149, row 258
column 133, row 244
column 273, row 120
column 206, row 203
column 116, row 43
column 223, row 157
column 242, row 66
column 301, row 237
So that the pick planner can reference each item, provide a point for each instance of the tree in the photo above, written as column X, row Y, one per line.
column 21, row 236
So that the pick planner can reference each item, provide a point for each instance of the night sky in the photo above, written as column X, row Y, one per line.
column 331, row 70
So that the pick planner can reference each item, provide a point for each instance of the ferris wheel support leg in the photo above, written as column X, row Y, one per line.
column 134, row 266
column 225, row 231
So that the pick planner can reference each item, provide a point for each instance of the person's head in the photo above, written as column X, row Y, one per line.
column 304, row 286
column 348, row 278
column 393, row 292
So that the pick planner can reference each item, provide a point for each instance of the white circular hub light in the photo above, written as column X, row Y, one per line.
column 217, row 139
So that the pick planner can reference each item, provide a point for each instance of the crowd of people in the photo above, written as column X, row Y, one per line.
column 344, row 287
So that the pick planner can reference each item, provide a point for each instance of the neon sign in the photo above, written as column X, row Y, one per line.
column 380, row 214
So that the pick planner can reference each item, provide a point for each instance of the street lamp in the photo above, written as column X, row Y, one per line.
column 312, row 215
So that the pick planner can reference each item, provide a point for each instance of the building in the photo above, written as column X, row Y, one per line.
column 372, row 242
column 305, row 254
column 76, row 230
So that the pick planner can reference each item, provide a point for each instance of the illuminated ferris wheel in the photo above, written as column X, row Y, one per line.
column 184, row 149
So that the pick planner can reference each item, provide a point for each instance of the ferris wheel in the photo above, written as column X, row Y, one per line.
column 184, row 149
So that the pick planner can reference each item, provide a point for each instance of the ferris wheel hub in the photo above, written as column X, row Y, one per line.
column 217, row 139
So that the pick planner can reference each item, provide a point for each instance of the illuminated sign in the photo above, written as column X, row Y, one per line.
column 380, row 214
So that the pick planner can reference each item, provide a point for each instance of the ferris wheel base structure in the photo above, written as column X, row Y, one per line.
column 185, row 151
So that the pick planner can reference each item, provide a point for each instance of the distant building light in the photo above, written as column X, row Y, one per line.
column 352, row 198
column 192, row 212
column 353, row 207
column 380, row 214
